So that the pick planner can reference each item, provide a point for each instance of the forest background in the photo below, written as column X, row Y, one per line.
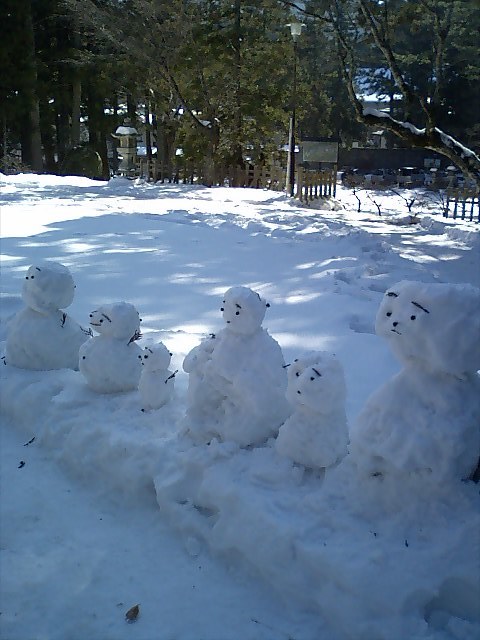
column 214, row 78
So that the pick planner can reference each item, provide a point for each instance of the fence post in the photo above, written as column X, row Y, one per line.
column 455, row 206
column 300, row 181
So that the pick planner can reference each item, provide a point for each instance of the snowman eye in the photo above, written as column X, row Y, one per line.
column 413, row 317
column 222, row 309
column 312, row 378
column 388, row 314
column 237, row 313
column 297, row 373
column 139, row 357
column 145, row 357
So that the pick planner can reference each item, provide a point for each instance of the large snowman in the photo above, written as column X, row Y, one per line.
column 156, row 381
column 112, row 361
column 237, row 379
column 316, row 434
column 42, row 336
column 426, row 419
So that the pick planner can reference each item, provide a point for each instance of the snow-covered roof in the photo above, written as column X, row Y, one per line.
column 126, row 131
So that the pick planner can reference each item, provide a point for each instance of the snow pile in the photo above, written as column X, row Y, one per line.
column 332, row 542
column 381, row 543
column 337, row 545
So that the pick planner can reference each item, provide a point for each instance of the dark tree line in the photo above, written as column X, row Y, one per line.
column 214, row 77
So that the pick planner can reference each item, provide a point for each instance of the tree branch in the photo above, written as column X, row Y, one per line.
column 410, row 96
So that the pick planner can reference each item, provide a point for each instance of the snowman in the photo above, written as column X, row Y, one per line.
column 237, row 379
column 42, row 336
column 111, row 361
column 426, row 419
column 316, row 434
column 156, row 381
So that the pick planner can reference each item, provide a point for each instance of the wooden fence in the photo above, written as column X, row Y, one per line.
column 309, row 185
column 157, row 171
column 463, row 204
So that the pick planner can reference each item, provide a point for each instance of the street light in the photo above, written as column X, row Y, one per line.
column 296, row 32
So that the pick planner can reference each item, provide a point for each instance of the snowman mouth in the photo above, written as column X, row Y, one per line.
column 395, row 331
column 95, row 324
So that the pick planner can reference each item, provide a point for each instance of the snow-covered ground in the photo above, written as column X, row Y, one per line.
column 112, row 507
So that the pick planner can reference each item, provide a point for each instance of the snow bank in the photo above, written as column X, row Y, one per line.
column 331, row 543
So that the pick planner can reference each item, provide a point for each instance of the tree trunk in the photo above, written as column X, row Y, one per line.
column 76, row 101
column 148, row 129
column 33, row 137
column 97, row 127
column 237, row 152
column 48, row 134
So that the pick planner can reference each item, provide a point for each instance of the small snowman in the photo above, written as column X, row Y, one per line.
column 112, row 362
column 316, row 434
column 426, row 419
column 237, row 379
column 42, row 336
column 156, row 381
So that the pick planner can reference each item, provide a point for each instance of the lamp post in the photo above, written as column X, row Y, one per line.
column 296, row 32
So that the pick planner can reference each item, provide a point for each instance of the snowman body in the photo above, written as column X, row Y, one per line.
column 426, row 419
column 111, row 362
column 42, row 336
column 157, row 382
column 237, row 379
column 316, row 434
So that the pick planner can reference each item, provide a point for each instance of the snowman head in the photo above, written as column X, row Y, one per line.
column 316, row 381
column 436, row 326
column 243, row 310
column 156, row 357
column 117, row 320
column 48, row 286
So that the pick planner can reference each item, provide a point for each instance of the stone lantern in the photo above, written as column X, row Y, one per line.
column 127, row 137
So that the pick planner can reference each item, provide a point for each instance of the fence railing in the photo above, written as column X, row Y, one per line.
column 463, row 204
column 309, row 185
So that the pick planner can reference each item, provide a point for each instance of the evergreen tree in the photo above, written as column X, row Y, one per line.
column 19, row 91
